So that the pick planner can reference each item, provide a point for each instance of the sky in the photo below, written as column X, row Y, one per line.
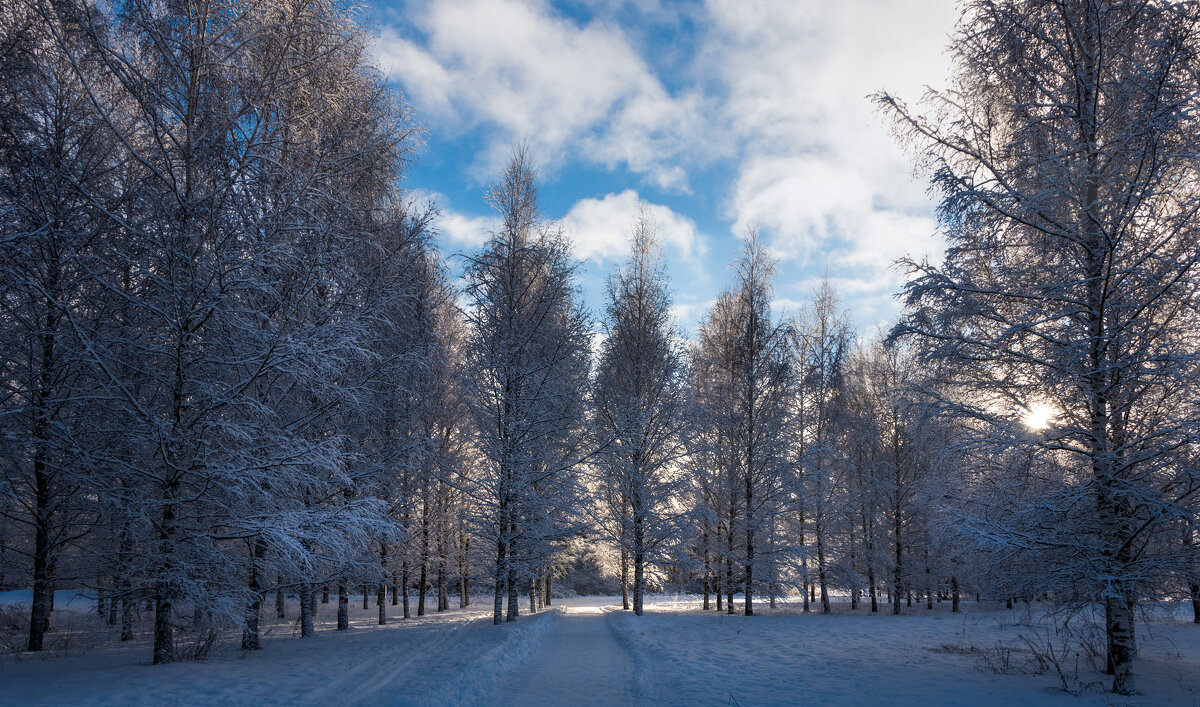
column 720, row 116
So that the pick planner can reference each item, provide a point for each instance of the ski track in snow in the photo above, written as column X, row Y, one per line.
column 379, row 675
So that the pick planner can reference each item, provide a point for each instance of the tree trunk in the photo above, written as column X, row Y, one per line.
column 250, row 622
column 821, row 574
column 1121, row 643
column 280, row 606
column 423, row 577
column 443, row 589
column 1194, row 588
column 532, row 595
column 707, row 572
column 250, row 640
column 549, row 593
column 501, row 574
column 43, row 562
column 898, row 569
column 43, row 582
column 381, row 593
column 424, row 570
column 464, row 589
column 624, row 579
column 404, row 587
column 325, row 594
column 639, row 564
column 717, row 589
column 381, row 603
column 126, row 617
column 306, row 614
column 748, row 602
column 343, row 611
column 873, row 589
column 1193, row 585
column 514, row 609
column 806, row 586
column 164, row 600
column 127, row 600
column 164, row 638
column 639, row 557
column 954, row 594
column 729, row 588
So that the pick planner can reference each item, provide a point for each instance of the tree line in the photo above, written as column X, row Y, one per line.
column 234, row 362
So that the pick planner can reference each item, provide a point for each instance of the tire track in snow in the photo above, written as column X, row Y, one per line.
column 388, row 669
column 384, row 663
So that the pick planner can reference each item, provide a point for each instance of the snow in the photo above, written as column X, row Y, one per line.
column 580, row 658
column 587, row 651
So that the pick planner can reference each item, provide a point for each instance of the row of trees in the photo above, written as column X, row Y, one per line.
column 221, row 326
column 233, row 363
column 1032, row 421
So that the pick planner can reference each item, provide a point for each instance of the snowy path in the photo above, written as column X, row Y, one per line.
column 579, row 661
column 586, row 651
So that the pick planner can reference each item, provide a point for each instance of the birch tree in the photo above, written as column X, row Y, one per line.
column 527, row 353
column 821, row 349
column 1065, row 153
column 639, row 404
column 749, row 384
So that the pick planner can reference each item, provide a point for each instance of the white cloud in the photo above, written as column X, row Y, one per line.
column 465, row 231
column 600, row 228
column 517, row 68
column 829, row 215
column 820, row 172
column 456, row 229
column 776, row 87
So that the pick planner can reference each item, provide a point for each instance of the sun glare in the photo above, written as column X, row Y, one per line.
column 1039, row 416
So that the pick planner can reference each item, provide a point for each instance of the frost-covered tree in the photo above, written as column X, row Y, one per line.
column 909, row 442
column 527, row 357
column 743, row 362
column 705, row 459
column 250, row 150
column 639, row 406
column 1065, row 152
column 821, row 348
column 57, row 167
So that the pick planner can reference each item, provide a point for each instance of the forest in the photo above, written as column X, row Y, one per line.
column 235, row 364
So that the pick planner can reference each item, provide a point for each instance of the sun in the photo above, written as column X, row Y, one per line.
column 1039, row 416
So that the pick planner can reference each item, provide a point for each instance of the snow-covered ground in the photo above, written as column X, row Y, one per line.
column 587, row 651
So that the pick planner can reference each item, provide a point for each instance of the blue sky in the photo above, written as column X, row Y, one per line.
column 720, row 116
